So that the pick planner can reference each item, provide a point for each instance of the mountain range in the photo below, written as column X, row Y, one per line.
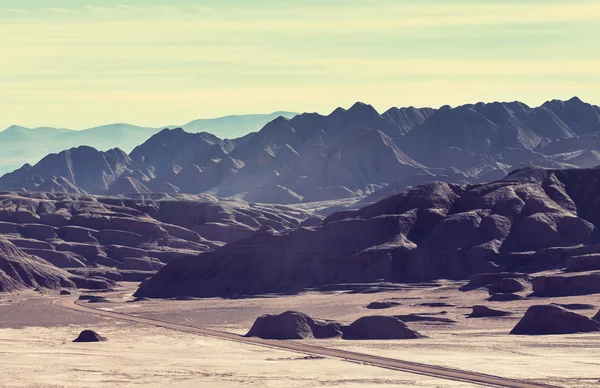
column 348, row 154
column 532, row 221
column 20, row 145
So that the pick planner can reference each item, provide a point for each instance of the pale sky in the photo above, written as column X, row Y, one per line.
column 81, row 63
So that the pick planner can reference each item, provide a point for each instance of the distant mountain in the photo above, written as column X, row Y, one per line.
column 235, row 125
column 20, row 145
column 348, row 154
column 78, row 170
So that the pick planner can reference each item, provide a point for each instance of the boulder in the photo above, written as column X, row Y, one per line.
column 486, row 279
column 89, row 336
column 97, row 299
column 552, row 319
column 424, row 318
column 65, row 292
column 382, row 305
column 596, row 317
column 484, row 311
column 500, row 297
column 507, row 286
column 292, row 325
column 378, row 328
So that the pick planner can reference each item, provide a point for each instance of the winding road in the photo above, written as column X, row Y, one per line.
column 299, row 347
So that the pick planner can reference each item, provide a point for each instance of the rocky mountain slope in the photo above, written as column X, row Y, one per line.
column 20, row 145
column 96, row 240
column 348, row 154
column 533, row 220
column 19, row 270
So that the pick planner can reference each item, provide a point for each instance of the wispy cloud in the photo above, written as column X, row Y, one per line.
column 19, row 11
column 200, row 8
column 128, row 7
column 165, row 8
column 56, row 10
column 95, row 8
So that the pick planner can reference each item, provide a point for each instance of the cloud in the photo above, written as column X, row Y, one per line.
column 200, row 8
column 128, row 7
column 94, row 8
column 56, row 10
column 165, row 8
column 19, row 11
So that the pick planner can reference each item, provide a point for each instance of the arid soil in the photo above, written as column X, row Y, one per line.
column 36, row 348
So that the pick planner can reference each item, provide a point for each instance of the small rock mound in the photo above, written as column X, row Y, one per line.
column 89, row 336
column 65, row 292
column 501, row 297
column 552, row 319
column 93, row 298
column 382, row 305
column 437, row 304
column 484, row 311
column 379, row 328
column 292, row 325
column 486, row 279
column 424, row 318
column 507, row 286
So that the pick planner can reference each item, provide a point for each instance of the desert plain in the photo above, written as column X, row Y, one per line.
column 36, row 334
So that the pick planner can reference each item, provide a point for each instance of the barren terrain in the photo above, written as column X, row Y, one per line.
column 36, row 348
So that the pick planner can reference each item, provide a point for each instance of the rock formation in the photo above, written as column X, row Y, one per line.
column 19, row 270
column 292, row 325
column 102, row 239
column 553, row 319
column 534, row 219
column 379, row 328
column 89, row 336
column 382, row 305
column 484, row 311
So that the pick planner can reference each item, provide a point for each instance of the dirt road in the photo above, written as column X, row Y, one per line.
column 299, row 347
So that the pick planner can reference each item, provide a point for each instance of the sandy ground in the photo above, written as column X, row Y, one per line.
column 143, row 356
column 35, row 345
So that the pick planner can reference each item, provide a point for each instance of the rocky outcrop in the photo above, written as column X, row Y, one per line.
column 19, row 270
column 292, row 325
column 89, row 336
column 500, row 297
column 82, row 169
column 487, row 279
column 379, row 328
column 484, row 312
column 127, row 238
column 567, row 284
column 552, row 319
column 507, row 286
column 533, row 220
column 382, row 305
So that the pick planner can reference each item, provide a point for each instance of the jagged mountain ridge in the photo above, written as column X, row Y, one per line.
column 350, row 153
column 20, row 145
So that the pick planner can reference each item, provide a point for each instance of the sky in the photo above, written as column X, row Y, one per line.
column 81, row 63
